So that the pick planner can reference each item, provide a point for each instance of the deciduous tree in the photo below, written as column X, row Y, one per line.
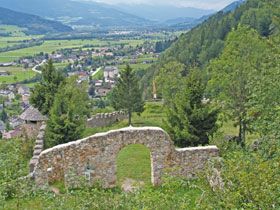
column 230, row 73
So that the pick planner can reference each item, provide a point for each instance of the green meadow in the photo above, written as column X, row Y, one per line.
column 18, row 74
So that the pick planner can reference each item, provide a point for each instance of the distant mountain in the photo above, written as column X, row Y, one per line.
column 231, row 7
column 34, row 24
column 162, row 13
column 179, row 20
column 189, row 23
column 76, row 12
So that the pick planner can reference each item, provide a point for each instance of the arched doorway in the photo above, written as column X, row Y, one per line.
column 133, row 166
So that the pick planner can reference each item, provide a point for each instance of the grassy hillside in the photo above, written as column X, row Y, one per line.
column 206, row 41
column 33, row 23
column 243, row 172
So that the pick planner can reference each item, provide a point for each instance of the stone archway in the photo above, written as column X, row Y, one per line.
column 133, row 166
column 95, row 157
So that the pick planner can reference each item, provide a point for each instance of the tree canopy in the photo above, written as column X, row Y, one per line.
column 127, row 95
column 189, row 121
column 67, row 115
column 42, row 96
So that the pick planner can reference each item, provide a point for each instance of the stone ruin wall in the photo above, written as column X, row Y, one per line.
column 38, row 148
column 32, row 129
column 95, row 156
column 104, row 119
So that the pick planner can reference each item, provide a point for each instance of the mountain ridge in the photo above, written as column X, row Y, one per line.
column 35, row 24
column 76, row 13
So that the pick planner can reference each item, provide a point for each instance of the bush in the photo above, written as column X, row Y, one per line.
column 250, row 178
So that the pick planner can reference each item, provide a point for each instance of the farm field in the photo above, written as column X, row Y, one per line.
column 17, row 72
column 61, row 65
column 14, row 30
column 6, row 59
column 53, row 45
column 135, row 66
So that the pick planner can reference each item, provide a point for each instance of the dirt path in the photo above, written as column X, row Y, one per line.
column 56, row 191
column 129, row 185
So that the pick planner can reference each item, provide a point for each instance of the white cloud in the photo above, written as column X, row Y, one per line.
column 204, row 4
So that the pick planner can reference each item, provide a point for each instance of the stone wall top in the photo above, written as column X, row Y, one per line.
column 104, row 134
column 104, row 119
column 197, row 148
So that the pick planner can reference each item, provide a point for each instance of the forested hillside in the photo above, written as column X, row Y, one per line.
column 206, row 41
column 34, row 24
column 78, row 13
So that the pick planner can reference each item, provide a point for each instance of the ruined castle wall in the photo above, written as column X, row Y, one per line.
column 31, row 129
column 104, row 119
column 189, row 161
column 38, row 148
column 95, row 157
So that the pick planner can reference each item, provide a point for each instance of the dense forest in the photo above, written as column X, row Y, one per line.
column 206, row 41
column 35, row 24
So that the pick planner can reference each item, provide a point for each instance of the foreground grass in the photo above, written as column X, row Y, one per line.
column 133, row 162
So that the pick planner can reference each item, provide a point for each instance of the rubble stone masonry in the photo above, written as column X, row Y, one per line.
column 104, row 119
column 95, row 157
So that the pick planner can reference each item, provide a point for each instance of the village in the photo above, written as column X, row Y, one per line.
column 99, row 67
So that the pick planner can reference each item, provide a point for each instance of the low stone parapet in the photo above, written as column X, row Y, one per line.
column 104, row 119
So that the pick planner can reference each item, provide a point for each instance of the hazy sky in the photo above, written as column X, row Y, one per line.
column 204, row 4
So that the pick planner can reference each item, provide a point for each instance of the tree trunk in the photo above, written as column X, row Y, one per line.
column 240, row 131
column 129, row 118
column 243, row 134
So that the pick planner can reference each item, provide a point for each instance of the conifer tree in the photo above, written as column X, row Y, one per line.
column 189, row 121
column 127, row 95
column 3, row 115
column 43, row 94
column 67, row 116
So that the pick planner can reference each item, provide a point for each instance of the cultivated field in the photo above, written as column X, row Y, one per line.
column 17, row 74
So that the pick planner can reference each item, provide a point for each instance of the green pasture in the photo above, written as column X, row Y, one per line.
column 15, row 30
column 7, row 59
column 61, row 65
column 99, row 75
column 52, row 45
column 18, row 74
column 135, row 66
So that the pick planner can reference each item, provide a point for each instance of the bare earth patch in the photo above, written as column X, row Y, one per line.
column 129, row 185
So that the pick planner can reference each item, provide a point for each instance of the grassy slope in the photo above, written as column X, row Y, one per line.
column 134, row 162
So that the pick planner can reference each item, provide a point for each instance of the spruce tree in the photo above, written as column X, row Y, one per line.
column 127, row 95
column 43, row 94
column 4, row 116
column 67, row 116
column 189, row 121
